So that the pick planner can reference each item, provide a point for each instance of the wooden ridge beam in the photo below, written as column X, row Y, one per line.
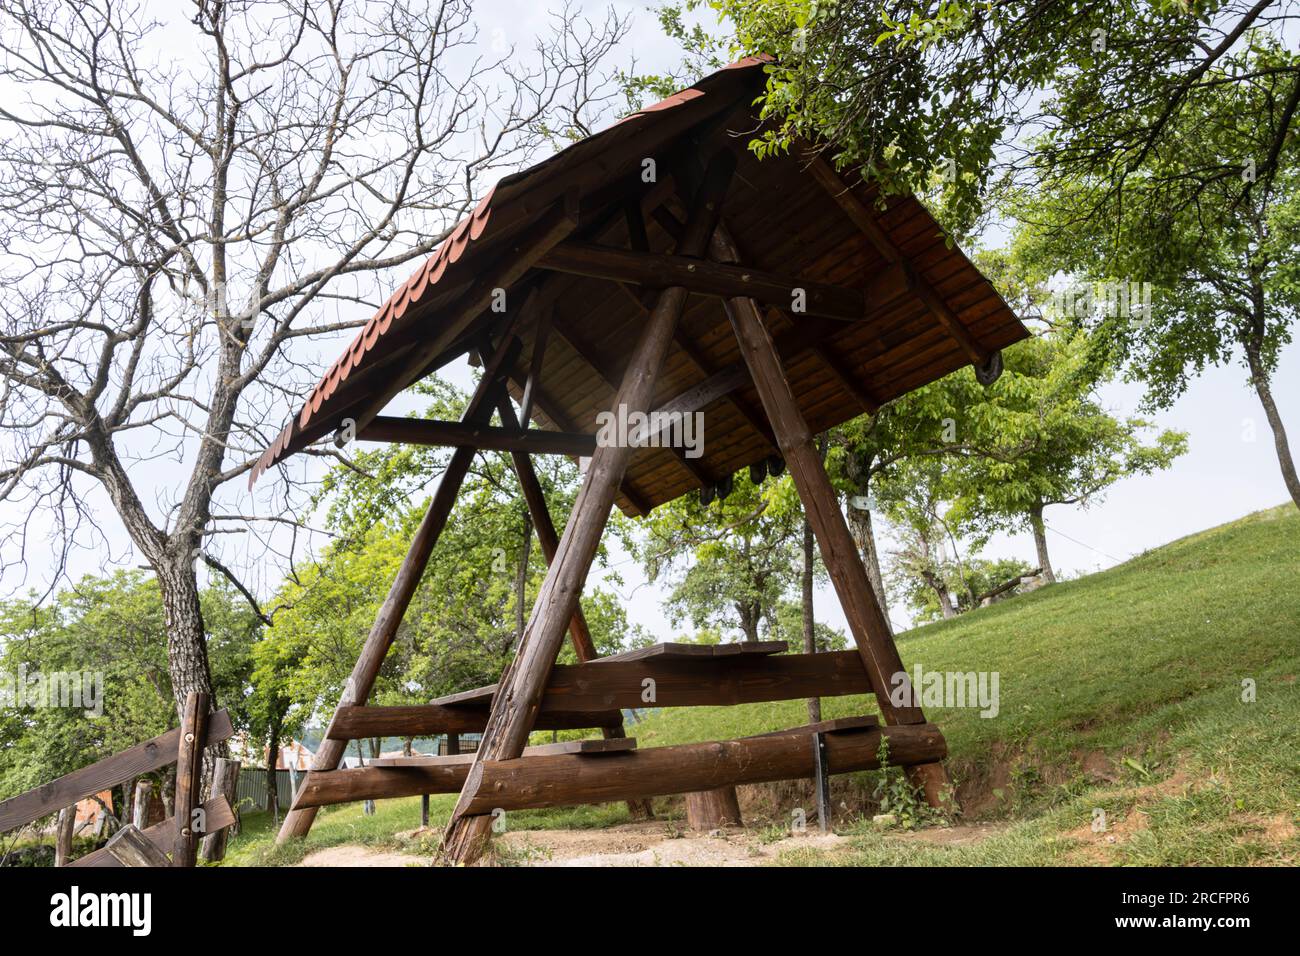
column 421, row 431
column 567, row 779
column 660, row 270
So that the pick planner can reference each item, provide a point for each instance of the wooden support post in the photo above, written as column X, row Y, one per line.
column 544, row 525
column 140, row 808
column 225, row 783
column 189, row 776
column 63, row 832
column 713, row 809
column 522, row 685
column 865, row 618
column 130, row 847
column 297, row 823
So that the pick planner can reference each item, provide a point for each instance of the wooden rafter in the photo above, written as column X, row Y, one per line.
column 865, row 220
column 423, row 431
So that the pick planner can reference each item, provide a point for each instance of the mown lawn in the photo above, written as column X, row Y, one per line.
column 1121, row 692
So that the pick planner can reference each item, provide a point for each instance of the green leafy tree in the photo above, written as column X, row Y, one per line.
column 1203, row 240
column 729, row 562
column 943, row 99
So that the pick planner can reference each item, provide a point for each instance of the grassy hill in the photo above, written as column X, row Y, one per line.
column 1121, row 691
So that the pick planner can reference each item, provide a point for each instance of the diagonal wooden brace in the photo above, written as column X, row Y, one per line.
column 865, row 618
column 515, row 706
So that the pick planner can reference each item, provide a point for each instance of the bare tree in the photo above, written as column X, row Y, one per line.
column 190, row 205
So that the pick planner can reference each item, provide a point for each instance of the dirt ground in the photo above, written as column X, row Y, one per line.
column 652, row 843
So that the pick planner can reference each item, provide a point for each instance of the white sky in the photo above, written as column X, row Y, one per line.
column 1230, row 470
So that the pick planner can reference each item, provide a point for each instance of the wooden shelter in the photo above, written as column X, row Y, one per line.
column 657, row 266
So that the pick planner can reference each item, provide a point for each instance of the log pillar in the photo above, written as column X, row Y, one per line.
column 297, row 823
column 514, row 708
column 579, row 633
column 713, row 809
column 865, row 618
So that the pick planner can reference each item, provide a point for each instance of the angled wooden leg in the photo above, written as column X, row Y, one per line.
column 297, row 823
column 579, row 633
column 515, row 705
column 865, row 618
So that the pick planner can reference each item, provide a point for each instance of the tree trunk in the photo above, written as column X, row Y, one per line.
column 1259, row 378
column 941, row 592
column 1040, row 542
column 272, row 761
column 187, row 648
column 750, row 615
column 521, row 577
column 809, row 623
column 864, row 536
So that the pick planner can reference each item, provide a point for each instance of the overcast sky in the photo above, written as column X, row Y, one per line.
column 1230, row 470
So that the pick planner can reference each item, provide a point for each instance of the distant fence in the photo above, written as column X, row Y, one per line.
column 251, row 794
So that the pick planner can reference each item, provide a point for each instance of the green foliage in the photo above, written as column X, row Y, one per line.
column 730, row 562
column 111, row 626
column 1209, row 221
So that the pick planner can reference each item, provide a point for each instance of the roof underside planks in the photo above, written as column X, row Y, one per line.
column 787, row 223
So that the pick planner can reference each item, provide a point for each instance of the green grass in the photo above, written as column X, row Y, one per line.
column 1120, row 691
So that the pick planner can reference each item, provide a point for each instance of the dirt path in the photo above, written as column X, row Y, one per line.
column 653, row 843
column 650, row 844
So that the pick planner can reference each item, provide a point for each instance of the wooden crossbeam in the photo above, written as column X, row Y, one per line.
column 217, row 815
column 143, row 758
column 609, row 684
column 568, row 779
column 660, row 270
column 428, row 720
column 421, row 431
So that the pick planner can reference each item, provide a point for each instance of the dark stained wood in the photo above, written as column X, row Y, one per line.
column 382, row 632
column 189, row 777
column 865, row 220
column 225, row 783
column 419, row 720
column 129, row 847
column 607, row 685
column 839, row 552
column 838, row 725
column 420, row 431
column 713, row 809
column 107, row 773
column 524, row 682
column 589, row 747
column 568, row 779
column 218, row 816
column 540, row 337
column 657, row 270
column 697, row 651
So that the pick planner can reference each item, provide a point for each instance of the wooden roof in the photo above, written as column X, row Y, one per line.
column 926, row 311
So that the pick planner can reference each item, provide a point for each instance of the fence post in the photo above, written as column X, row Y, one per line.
column 189, row 769
column 225, row 781
column 63, row 836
